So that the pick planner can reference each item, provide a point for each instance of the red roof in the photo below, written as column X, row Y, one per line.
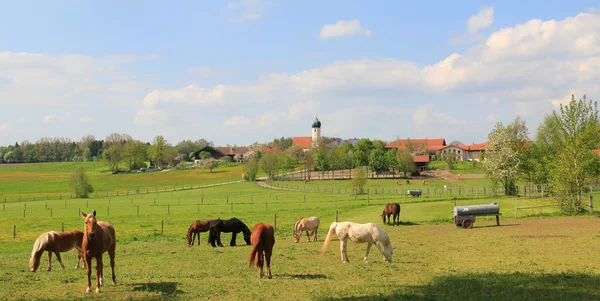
column 269, row 149
column 421, row 159
column 478, row 146
column 303, row 142
column 432, row 145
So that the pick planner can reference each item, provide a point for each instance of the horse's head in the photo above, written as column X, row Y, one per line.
column 247, row 234
column 34, row 261
column 383, row 216
column 90, row 225
column 387, row 252
column 296, row 236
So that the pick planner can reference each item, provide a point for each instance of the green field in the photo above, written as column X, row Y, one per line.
column 540, row 257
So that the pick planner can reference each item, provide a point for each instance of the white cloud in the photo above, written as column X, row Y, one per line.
column 150, row 117
column 56, row 118
column 238, row 121
column 343, row 28
column 481, row 20
column 85, row 119
column 425, row 114
column 492, row 117
column 248, row 9
column 4, row 126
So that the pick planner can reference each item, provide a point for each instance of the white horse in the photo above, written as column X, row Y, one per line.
column 310, row 224
column 369, row 233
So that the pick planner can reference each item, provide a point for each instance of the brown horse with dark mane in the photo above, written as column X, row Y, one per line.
column 392, row 209
column 195, row 229
column 99, row 237
column 55, row 242
column 263, row 239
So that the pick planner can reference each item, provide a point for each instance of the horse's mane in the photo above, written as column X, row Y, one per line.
column 188, row 237
column 41, row 243
column 296, row 224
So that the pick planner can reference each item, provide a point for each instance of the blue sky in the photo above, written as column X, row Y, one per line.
column 238, row 72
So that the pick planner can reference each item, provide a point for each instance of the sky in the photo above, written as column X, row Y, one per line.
column 239, row 72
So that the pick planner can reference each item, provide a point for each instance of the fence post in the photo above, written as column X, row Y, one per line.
column 50, row 212
column 516, row 207
column 138, row 210
column 168, row 208
column 591, row 205
column 108, row 211
column 162, row 226
column 336, row 215
column 275, row 223
column 198, row 208
column 62, row 227
column 14, row 231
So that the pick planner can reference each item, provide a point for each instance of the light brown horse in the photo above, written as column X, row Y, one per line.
column 98, row 238
column 55, row 242
column 392, row 209
column 263, row 239
column 195, row 229
column 310, row 224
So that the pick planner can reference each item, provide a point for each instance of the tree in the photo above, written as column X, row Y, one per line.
column 268, row 163
column 391, row 160
column 406, row 163
column 287, row 162
column 378, row 144
column 134, row 154
column 251, row 169
column 360, row 180
column 365, row 146
column 321, row 160
column 573, row 135
column 358, row 158
column 377, row 160
column 450, row 159
column 503, row 153
column 79, row 182
column 170, row 155
column 204, row 155
column 112, row 157
column 210, row 163
column 157, row 150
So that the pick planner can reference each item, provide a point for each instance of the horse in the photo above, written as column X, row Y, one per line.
column 195, row 229
column 55, row 242
column 306, row 181
column 263, row 239
column 99, row 237
column 233, row 225
column 392, row 209
column 369, row 233
column 310, row 224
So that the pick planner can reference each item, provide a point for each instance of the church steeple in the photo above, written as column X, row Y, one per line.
column 316, row 132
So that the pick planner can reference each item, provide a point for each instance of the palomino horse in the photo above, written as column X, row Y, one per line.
column 392, row 209
column 195, row 229
column 99, row 237
column 55, row 242
column 369, row 233
column 310, row 224
column 233, row 225
column 263, row 239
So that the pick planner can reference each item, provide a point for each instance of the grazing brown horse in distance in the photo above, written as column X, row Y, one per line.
column 98, row 238
column 263, row 239
column 55, row 242
column 392, row 209
column 195, row 229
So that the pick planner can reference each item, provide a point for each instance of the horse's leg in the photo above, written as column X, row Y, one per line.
column 268, row 253
column 260, row 263
column 111, row 256
column 59, row 259
column 315, row 236
column 233, row 235
column 308, row 235
column 198, row 238
column 343, row 243
column 369, row 244
column 99, row 280
column 219, row 238
column 88, row 263
column 49, row 261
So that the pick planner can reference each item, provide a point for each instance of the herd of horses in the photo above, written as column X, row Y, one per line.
column 99, row 238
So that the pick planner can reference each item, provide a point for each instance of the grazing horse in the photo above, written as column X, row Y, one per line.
column 310, row 224
column 392, row 209
column 233, row 225
column 369, row 233
column 263, row 239
column 55, row 242
column 99, row 237
column 195, row 229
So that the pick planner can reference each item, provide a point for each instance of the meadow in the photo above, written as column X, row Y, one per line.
column 540, row 255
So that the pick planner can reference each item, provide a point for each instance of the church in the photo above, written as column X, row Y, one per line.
column 308, row 142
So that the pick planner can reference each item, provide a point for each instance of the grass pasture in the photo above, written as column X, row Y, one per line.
column 540, row 257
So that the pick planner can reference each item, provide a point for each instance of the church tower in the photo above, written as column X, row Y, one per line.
column 316, row 132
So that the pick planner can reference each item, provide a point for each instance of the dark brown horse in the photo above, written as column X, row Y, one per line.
column 55, row 242
column 392, row 209
column 195, row 229
column 98, row 238
column 263, row 239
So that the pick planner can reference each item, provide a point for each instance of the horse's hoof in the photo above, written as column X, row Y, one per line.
column 270, row 276
column 88, row 290
column 49, row 269
column 97, row 290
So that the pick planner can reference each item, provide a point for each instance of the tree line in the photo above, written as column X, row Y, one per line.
column 560, row 155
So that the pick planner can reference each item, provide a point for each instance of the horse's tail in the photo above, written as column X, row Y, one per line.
column 256, row 247
column 329, row 237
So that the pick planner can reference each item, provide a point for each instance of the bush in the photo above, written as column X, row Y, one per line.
column 79, row 181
